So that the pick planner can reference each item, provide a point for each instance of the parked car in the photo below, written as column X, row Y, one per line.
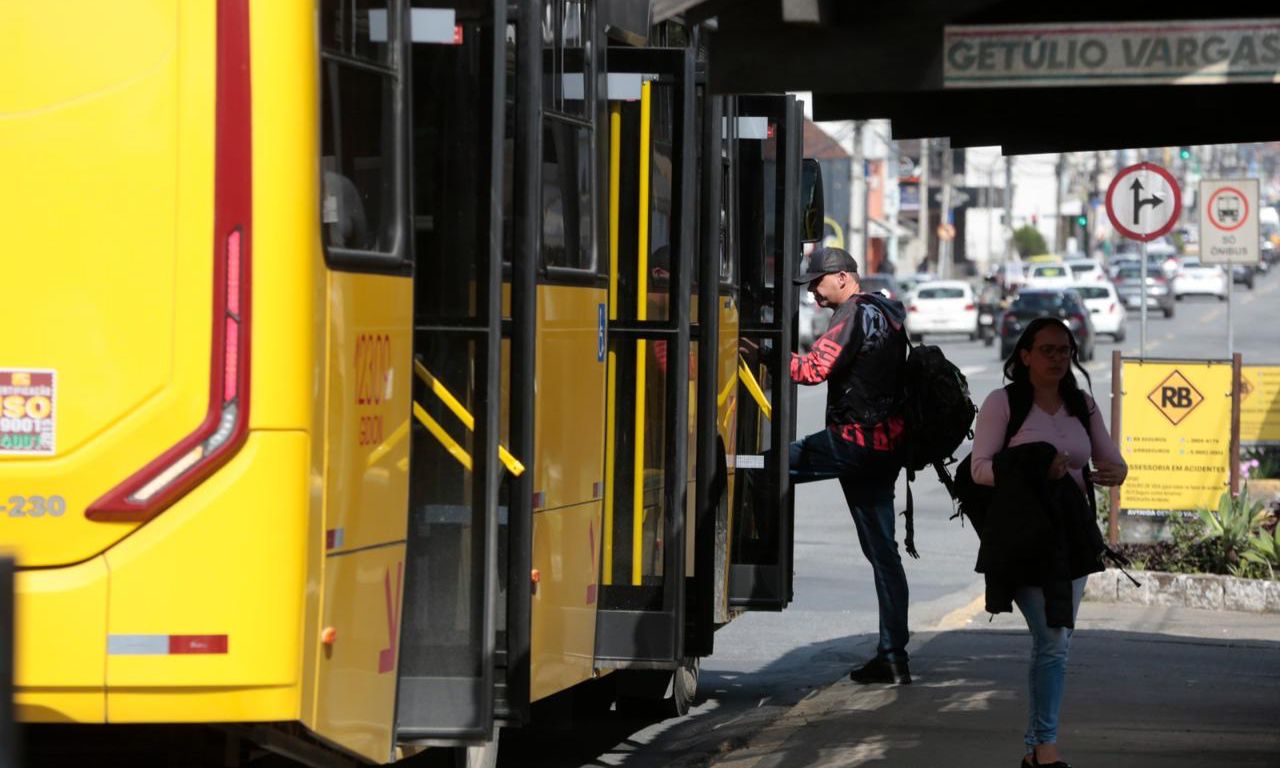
column 1128, row 283
column 942, row 306
column 1105, row 308
column 881, row 283
column 1087, row 271
column 1063, row 303
column 1194, row 278
column 1050, row 275
column 1244, row 274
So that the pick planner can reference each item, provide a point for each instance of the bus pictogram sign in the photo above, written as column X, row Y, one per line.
column 1229, row 221
column 1175, row 397
column 1143, row 202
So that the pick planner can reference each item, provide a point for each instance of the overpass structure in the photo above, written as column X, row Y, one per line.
column 1030, row 77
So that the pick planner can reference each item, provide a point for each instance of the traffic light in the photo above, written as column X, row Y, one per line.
column 1184, row 153
column 1082, row 220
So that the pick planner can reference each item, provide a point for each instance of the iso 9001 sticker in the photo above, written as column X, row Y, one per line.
column 28, row 418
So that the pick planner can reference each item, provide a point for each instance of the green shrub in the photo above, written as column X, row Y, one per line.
column 1229, row 530
column 1029, row 242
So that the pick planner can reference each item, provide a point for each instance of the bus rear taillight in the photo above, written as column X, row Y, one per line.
column 175, row 472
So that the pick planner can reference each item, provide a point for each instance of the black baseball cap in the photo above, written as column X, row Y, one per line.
column 824, row 261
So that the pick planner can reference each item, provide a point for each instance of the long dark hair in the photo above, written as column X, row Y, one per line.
column 1019, row 374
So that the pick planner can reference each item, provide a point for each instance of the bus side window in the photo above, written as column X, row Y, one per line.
column 359, row 136
column 566, row 197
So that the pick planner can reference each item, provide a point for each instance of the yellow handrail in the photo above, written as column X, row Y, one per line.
column 642, row 314
column 450, row 445
column 513, row 465
column 615, row 204
column 748, row 380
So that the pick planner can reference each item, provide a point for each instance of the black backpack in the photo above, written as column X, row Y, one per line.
column 937, row 410
column 938, row 416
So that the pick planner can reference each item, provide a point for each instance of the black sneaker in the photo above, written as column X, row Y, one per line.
column 880, row 670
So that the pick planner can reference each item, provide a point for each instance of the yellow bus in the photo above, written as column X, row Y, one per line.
column 377, row 375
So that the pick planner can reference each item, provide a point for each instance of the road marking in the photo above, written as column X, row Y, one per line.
column 1213, row 314
column 972, row 370
column 961, row 616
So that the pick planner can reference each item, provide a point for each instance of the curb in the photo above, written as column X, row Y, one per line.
column 1204, row 591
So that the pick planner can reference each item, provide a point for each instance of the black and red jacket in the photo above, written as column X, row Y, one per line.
column 861, row 358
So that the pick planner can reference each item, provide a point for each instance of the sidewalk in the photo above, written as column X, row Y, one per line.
column 1147, row 686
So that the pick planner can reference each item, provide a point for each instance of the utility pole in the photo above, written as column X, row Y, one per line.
column 944, row 217
column 891, row 255
column 924, row 200
column 859, row 199
column 1058, row 240
column 1008, row 207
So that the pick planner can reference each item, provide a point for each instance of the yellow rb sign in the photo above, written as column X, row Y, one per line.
column 1175, row 434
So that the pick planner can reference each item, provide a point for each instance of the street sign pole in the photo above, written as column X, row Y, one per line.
column 1142, row 345
column 1231, row 328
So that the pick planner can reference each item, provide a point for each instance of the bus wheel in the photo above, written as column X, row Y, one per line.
column 645, row 693
column 684, row 686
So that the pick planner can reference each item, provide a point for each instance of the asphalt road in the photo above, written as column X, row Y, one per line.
column 765, row 663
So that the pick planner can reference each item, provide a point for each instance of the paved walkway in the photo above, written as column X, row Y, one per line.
column 1147, row 686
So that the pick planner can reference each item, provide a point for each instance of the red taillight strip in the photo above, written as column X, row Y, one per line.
column 176, row 471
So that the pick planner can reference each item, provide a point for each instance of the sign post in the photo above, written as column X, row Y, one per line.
column 1229, row 231
column 1143, row 203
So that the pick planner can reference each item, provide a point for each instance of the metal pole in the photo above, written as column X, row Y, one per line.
column 859, row 198
column 1117, row 399
column 944, row 211
column 1142, row 348
column 986, row 207
column 1231, row 330
column 924, row 202
column 1234, row 458
column 1008, row 208
column 1058, row 239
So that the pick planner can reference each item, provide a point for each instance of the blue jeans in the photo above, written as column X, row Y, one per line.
column 1047, row 676
column 867, row 478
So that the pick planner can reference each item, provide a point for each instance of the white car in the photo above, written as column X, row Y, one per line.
column 1193, row 277
column 1049, row 275
column 942, row 306
column 1106, row 310
column 1086, row 271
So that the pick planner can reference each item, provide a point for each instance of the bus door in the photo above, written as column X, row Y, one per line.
column 768, row 132
column 652, row 239
column 449, row 627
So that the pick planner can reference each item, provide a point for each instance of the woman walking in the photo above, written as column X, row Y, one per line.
column 1033, row 442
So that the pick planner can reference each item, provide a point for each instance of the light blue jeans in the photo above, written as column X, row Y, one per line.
column 1048, row 673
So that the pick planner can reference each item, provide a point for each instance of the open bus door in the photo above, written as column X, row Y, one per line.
column 769, row 140
column 653, row 238
column 8, row 732
column 450, row 626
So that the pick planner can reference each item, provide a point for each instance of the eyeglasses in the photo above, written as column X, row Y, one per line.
column 1050, row 350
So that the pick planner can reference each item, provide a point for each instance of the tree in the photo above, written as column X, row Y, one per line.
column 1029, row 241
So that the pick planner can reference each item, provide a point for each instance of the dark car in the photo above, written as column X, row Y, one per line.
column 1128, row 282
column 1063, row 303
column 1243, row 274
column 883, row 284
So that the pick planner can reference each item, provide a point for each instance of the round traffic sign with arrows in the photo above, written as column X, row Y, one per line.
column 1143, row 201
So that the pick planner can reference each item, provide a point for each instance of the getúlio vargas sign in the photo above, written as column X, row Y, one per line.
column 1112, row 53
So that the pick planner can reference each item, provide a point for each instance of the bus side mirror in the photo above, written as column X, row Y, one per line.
column 812, row 213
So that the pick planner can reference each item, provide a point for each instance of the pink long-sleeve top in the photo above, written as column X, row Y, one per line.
column 1061, row 430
